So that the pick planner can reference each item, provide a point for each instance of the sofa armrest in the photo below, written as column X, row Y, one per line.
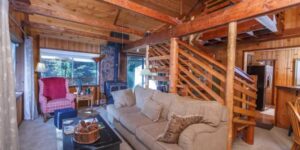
column 43, row 99
column 70, row 96
column 202, row 136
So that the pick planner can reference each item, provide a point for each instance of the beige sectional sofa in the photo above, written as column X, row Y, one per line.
column 142, row 133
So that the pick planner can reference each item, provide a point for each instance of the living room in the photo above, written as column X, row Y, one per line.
column 149, row 74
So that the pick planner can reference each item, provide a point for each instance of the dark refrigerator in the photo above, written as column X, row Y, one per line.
column 264, row 75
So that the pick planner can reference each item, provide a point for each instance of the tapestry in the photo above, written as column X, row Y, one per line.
column 107, row 70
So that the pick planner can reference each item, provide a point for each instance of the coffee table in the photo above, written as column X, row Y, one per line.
column 108, row 138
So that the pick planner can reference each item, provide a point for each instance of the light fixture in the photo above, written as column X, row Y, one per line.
column 41, row 67
column 147, row 72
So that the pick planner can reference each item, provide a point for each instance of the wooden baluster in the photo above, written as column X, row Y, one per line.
column 173, row 76
column 231, row 50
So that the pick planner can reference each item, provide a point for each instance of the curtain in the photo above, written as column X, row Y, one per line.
column 8, row 114
column 30, row 107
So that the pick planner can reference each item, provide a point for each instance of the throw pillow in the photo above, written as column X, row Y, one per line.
column 123, row 98
column 176, row 125
column 141, row 95
column 165, row 99
column 152, row 110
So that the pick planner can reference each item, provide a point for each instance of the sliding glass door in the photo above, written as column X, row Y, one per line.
column 135, row 65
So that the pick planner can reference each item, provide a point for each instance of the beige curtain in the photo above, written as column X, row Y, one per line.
column 8, row 117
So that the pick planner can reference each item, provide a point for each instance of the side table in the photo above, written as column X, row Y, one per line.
column 89, row 98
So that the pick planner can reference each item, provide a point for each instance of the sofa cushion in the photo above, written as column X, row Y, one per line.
column 115, row 112
column 131, row 121
column 187, row 136
column 141, row 95
column 199, row 137
column 152, row 110
column 177, row 108
column 165, row 146
column 165, row 99
column 123, row 98
column 176, row 125
column 211, row 111
column 148, row 134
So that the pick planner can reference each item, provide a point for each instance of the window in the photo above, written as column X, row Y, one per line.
column 78, row 67
column 13, row 51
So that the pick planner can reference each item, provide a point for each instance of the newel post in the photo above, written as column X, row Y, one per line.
column 173, row 74
column 147, row 66
column 229, row 94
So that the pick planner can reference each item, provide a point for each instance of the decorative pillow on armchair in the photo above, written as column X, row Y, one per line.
column 123, row 98
column 176, row 125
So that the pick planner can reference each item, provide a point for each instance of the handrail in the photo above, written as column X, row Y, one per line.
column 210, row 59
column 203, row 55
column 239, row 72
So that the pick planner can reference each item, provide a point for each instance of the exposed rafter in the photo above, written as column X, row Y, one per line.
column 243, row 27
column 75, row 32
column 144, row 11
column 243, row 10
column 235, row 1
column 67, row 15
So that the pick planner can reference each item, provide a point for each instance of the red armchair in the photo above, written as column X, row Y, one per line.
column 54, row 94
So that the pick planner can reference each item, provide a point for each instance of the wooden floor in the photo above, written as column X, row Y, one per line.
column 34, row 135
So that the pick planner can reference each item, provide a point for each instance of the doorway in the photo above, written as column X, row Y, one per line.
column 264, row 70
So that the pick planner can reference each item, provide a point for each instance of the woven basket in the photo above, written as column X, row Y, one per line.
column 86, row 138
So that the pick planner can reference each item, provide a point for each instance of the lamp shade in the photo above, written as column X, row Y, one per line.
column 41, row 67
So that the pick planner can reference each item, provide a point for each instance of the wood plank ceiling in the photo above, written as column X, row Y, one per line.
column 96, row 17
column 94, row 20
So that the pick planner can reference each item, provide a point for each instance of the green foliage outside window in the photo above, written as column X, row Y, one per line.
column 85, row 71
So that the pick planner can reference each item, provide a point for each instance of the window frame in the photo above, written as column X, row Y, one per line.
column 72, row 63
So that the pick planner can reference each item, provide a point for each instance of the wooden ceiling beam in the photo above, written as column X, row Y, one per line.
column 24, row 1
column 75, row 32
column 144, row 11
column 246, row 26
column 67, row 15
column 243, row 10
column 289, row 33
column 235, row 1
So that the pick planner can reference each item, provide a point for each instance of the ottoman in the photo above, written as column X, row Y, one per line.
column 61, row 114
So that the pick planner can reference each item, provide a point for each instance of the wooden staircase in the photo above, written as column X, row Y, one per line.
column 202, row 77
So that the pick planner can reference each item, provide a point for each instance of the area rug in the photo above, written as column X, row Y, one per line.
column 264, row 125
column 37, row 135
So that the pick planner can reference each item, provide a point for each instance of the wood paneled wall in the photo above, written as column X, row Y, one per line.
column 15, row 19
column 68, row 45
column 284, row 63
column 220, row 52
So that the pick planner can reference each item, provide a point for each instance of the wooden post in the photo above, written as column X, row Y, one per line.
column 249, row 137
column 231, row 49
column 173, row 76
column 147, row 66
